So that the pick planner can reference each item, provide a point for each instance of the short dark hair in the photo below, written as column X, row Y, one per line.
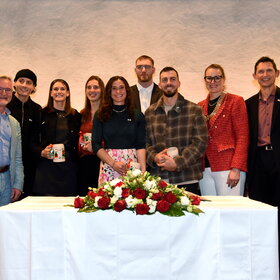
column 265, row 59
column 145, row 57
column 168, row 69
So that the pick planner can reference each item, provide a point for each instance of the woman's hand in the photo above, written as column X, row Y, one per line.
column 87, row 146
column 46, row 153
column 233, row 177
column 120, row 167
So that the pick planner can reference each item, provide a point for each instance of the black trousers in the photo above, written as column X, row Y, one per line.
column 264, row 179
column 264, row 182
column 194, row 188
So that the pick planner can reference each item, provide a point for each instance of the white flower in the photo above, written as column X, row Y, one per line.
column 113, row 200
column 118, row 192
column 115, row 181
column 129, row 201
column 152, row 204
column 150, row 184
column 152, row 208
column 185, row 200
column 96, row 200
column 135, row 172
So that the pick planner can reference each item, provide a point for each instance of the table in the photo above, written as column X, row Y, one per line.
column 235, row 239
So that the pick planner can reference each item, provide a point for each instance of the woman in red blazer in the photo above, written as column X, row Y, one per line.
column 225, row 159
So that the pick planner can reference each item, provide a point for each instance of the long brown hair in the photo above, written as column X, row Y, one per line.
column 86, row 111
column 68, row 109
column 106, row 107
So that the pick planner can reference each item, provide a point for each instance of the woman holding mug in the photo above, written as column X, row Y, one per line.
column 59, row 124
column 226, row 155
column 121, row 128
column 89, row 162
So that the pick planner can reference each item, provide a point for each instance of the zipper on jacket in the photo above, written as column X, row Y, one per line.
column 22, row 113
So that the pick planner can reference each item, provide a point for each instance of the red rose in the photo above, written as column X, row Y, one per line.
column 170, row 197
column 140, row 193
column 119, row 205
column 101, row 192
column 163, row 206
column 125, row 192
column 119, row 184
column 157, row 196
column 92, row 194
column 103, row 202
column 195, row 199
column 162, row 184
column 79, row 202
column 142, row 209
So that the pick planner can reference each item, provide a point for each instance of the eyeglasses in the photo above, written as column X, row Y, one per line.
column 209, row 79
column 147, row 67
column 7, row 90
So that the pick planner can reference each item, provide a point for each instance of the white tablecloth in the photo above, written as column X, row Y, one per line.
column 235, row 239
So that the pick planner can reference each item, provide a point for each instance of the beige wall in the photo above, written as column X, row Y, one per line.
column 75, row 39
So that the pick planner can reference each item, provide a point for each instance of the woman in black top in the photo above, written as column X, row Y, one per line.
column 59, row 124
column 121, row 129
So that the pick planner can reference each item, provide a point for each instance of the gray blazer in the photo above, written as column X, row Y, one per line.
column 16, row 166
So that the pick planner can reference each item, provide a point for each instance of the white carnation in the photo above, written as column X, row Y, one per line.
column 135, row 172
column 185, row 200
column 96, row 200
column 115, row 181
column 118, row 192
column 150, row 184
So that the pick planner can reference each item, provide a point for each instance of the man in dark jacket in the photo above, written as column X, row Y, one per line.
column 145, row 92
column 26, row 112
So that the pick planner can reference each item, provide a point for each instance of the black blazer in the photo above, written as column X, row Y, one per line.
column 253, row 112
column 44, row 132
column 156, row 94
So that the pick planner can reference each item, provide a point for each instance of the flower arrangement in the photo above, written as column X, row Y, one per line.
column 141, row 193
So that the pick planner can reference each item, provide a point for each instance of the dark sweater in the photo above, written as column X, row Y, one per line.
column 120, row 131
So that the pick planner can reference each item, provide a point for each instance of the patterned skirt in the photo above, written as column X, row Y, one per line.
column 107, row 173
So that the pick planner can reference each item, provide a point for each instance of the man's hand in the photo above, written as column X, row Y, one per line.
column 15, row 194
column 165, row 162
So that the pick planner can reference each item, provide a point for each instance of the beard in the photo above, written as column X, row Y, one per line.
column 145, row 78
column 170, row 93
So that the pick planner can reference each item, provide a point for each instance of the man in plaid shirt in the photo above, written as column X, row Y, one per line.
column 174, row 121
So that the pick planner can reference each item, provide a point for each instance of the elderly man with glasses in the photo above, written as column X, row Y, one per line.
column 11, row 168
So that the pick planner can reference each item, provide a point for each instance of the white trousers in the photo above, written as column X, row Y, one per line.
column 215, row 183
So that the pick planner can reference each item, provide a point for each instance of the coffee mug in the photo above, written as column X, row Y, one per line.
column 58, row 153
column 87, row 136
column 172, row 152
column 134, row 165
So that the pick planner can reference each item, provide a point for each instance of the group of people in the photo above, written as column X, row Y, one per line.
column 218, row 141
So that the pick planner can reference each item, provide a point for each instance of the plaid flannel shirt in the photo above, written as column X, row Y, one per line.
column 183, row 127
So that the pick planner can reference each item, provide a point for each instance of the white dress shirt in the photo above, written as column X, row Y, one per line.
column 145, row 95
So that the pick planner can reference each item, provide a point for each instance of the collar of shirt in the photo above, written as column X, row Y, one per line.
column 145, row 95
column 271, row 97
column 6, row 112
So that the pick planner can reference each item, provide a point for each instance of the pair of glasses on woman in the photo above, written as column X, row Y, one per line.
column 209, row 79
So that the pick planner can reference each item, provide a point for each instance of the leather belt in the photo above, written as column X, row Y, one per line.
column 265, row 147
column 4, row 168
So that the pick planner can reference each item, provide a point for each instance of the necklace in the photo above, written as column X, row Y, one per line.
column 121, row 111
column 218, row 104
column 214, row 103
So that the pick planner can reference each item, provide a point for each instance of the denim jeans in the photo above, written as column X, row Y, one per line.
column 5, row 188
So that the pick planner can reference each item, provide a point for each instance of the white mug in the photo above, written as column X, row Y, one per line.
column 58, row 153
column 87, row 136
column 172, row 152
column 134, row 165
